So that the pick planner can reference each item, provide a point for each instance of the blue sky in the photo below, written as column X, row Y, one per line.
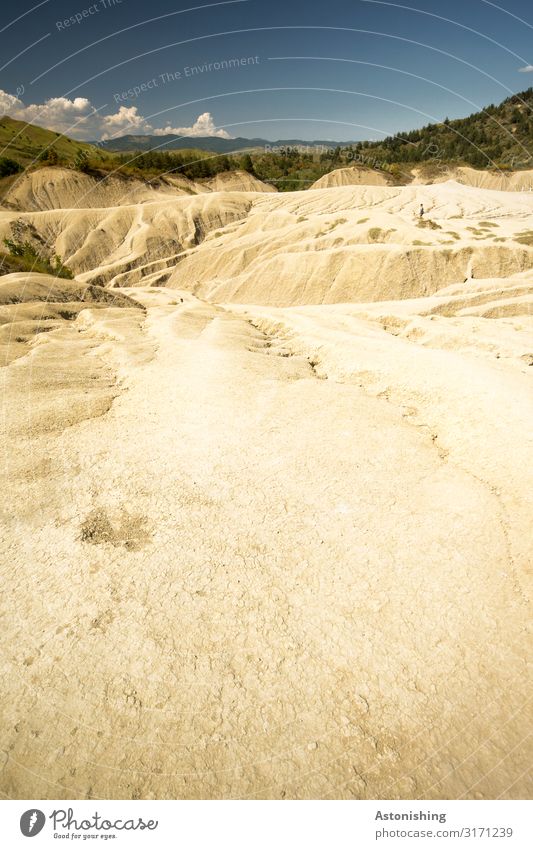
column 341, row 69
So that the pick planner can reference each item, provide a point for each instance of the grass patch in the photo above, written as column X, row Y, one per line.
column 331, row 227
column 376, row 234
column 525, row 238
column 428, row 224
column 28, row 143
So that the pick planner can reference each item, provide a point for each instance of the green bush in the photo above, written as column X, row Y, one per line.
column 9, row 166
column 49, row 155
column 26, row 258
column 81, row 162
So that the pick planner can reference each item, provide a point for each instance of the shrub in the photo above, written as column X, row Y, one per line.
column 49, row 156
column 81, row 162
column 429, row 224
column 525, row 238
column 9, row 166
column 27, row 259
column 376, row 234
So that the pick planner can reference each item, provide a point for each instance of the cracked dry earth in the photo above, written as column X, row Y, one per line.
column 240, row 570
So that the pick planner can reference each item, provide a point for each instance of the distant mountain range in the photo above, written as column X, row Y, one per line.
column 210, row 143
column 497, row 135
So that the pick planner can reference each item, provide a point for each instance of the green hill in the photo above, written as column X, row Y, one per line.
column 495, row 137
column 24, row 143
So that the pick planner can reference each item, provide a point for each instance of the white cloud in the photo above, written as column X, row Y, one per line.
column 9, row 103
column 203, row 126
column 79, row 119
column 57, row 113
column 126, row 120
column 527, row 70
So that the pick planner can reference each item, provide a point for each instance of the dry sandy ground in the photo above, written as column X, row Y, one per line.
column 348, row 243
column 59, row 188
column 267, row 551
column 515, row 181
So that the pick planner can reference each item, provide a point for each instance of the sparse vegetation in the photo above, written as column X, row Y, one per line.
column 23, row 256
column 377, row 234
column 428, row 224
column 331, row 226
column 525, row 238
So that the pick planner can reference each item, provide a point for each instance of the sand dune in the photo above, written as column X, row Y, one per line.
column 267, row 527
column 64, row 188
column 328, row 246
column 516, row 181
column 359, row 243
column 353, row 176
column 33, row 304
column 504, row 181
column 102, row 244
column 237, row 181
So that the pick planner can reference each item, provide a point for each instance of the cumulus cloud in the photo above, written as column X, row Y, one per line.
column 9, row 103
column 57, row 113
column 203, row 126
column 78, row 118
column 126, row 120
column 527, row 70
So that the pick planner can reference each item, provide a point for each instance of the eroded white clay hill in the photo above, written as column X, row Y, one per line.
column 268, row 494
